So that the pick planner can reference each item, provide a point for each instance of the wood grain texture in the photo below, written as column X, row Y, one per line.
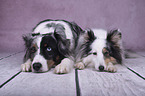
column 131, row 54
column 92, row 83
column 33, row 84
column 136, row 64
column 41, row 84
column 3, row 55
column 142, row 53
column 10, row 66
column 122, row 83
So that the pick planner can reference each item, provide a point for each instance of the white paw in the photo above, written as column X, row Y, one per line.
column 61, row 69
column 26, row 67
column 111, row 68
column 80, row 66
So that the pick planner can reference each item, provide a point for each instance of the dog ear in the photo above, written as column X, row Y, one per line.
column 114, row 45
column 114, row 36
column 63, row 43
column 28, row 39
column 76, row 28
column 28, row 42
column 59, row 31
column 90, row 36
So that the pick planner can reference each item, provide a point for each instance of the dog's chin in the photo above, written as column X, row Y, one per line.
column 40, row 71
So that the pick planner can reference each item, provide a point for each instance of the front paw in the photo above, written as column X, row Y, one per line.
column 80, row 66
column 61, row 69
column 26, row 67
column 111, row 68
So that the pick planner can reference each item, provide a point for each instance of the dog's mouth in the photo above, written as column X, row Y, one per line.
column 40, row 71
column 39, row 68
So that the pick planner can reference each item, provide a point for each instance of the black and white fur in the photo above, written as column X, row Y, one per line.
column 101, row 48
column 51, row 43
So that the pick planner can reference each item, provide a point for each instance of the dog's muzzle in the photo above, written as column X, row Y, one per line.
column 37, row 66
column 101, row 68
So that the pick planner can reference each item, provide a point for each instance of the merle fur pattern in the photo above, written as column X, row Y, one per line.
column 114, row 47
column 62, row 44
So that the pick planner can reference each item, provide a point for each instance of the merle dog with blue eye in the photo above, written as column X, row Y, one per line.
column 50, row 44
column 41, row 53
column 49, row 48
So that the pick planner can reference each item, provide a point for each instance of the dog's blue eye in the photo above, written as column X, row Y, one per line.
column 49, row 49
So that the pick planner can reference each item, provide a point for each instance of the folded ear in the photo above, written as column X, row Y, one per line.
column 63, row 44
column 76, row 28
column 114, row 36
column 59, row 31
column 28, row 39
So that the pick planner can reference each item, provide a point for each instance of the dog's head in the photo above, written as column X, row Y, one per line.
column 42, row 50
column 104, row 47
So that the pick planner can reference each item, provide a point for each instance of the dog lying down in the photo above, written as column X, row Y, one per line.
column 52, row 43
column 62, row 44
column 99, row 48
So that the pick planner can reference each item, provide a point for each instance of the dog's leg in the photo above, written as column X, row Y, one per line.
column 111, row 67
column 65, row 66
column 110, row 64
column 80, row 65
column 26, row 67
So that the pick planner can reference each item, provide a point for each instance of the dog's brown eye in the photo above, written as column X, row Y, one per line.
column 95, row 53
column 33, row 49
column 45, row 45
column 106, row 53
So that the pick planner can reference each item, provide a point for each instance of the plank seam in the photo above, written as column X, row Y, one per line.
column 136, row 73
column 11, row 55
column 78, row 91
column 10, row 79
column 139, row 54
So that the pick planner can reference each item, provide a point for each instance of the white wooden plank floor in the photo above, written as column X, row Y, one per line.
column 122, row 83
column 136, row 62
column 10, row 66
column 43, row 84
column 141, row 53
column 91, row 82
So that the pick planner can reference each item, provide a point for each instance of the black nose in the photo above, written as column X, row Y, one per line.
column 37, row 66
column 101, row 67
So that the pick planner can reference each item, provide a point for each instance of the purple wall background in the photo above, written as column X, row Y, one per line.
column 18, row 17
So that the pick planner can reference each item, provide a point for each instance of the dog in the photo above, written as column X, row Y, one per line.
column 51, row 44
column 100, row 48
